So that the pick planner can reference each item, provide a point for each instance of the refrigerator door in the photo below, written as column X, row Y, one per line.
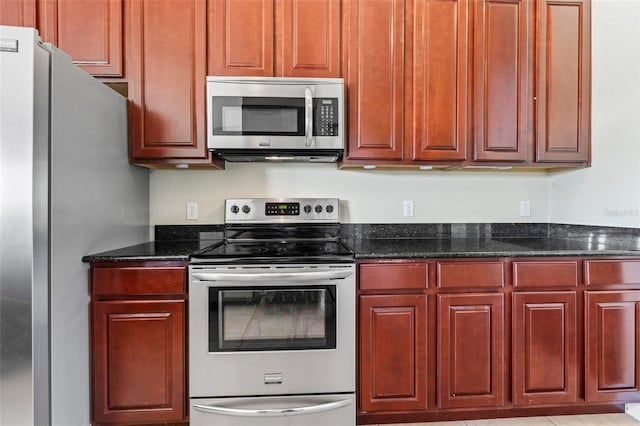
column 24, row 247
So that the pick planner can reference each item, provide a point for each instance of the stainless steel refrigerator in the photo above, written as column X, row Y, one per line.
column 66, row 190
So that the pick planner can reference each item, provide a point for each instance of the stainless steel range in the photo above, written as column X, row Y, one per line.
column 272, row 318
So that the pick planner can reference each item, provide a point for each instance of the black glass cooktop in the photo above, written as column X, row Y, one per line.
column 301, row 251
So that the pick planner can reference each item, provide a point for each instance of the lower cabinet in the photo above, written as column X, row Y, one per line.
column 393, row 352
column 612, row 346
column 138, row 345
column 470, row 350
column 544, row 348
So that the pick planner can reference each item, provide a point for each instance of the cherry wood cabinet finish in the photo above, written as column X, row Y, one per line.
column 131, row 281
column 502, row 52
column 392, row 353
column 389, row 276
column 18, row 13
column 439, row 47
column 602, row 272
column 138, row 361
column 470, row 274
column 563, row 67
column 544, row 348
column 531, row 274
column 166, row 72
column 471, row 350
column 241, row 37
column 89, row 31
column 612, row 343
column 310, row 38
column 374, row 78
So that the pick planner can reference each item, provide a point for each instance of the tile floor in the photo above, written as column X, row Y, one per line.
column 620, row 419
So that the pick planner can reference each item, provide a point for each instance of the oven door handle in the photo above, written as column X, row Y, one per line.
column 273, row 412
column 271, row 276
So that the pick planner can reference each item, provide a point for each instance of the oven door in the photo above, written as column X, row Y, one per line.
column 256, row 330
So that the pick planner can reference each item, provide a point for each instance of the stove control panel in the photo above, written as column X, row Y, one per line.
column 282, row 210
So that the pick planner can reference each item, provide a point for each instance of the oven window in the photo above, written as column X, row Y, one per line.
column 274, row 318
column 258, row 116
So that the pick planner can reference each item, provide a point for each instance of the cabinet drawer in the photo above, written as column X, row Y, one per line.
column 545, row 274
column 383, row 276
column 138, row 281
column 470, row 274
column 602, row 272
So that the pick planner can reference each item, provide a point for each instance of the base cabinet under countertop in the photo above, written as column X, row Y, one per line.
column 455, row 339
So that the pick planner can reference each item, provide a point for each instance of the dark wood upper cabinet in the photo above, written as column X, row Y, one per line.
column 374, row 33
column 563, row 89
column 437, row 49
column 502, row 75
column 393, row 356
column 18, row 13
column 89, row 31
column 544, row 348
column 310, row 38
column 612, row 343
column 166, row 74
column 241, row 37
column 471, row 350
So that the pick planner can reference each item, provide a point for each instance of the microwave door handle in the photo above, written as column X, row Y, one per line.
column 273, row 412
column 308, row 116
column 279, row 276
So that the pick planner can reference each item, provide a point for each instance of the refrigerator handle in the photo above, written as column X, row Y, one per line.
column 274, row 412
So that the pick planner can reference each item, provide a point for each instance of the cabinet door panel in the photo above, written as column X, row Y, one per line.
column 393, row 353
column 564, row 81
column 439, row 79
column 310, row 38
column 375, row 78
column 544, row 348
column 89, row 31
column 470, row 350
column 613, row 346
column 18, row 13
column 502, row 94
column 166, row 79
column 241, row 37
column 138, row 361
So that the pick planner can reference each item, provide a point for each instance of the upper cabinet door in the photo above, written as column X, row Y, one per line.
column 89, row 31
column 563, row 81
column 502, row 70
column 166, row 74
column 18, row 13
column 438, row 91
column 374, row 33
column 241, row 37
column 310, row 41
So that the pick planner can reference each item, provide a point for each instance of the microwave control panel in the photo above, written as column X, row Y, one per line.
column 326, row 117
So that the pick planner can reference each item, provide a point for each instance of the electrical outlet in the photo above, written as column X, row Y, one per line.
column 525, row 208
column 192, row 211
column 407, row 208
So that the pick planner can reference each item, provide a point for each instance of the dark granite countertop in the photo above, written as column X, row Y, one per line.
column 394, row 241
column 394, row 248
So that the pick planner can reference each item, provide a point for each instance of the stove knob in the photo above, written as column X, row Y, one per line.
column 307, row 209
column 234, row 209
column 246, row 209
column 329, row 208
column 318, row 208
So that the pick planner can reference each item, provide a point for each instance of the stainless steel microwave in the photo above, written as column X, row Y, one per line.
column 277, row 119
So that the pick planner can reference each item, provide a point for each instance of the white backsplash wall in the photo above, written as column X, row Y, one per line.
column 369, row 196
column 608, row 193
